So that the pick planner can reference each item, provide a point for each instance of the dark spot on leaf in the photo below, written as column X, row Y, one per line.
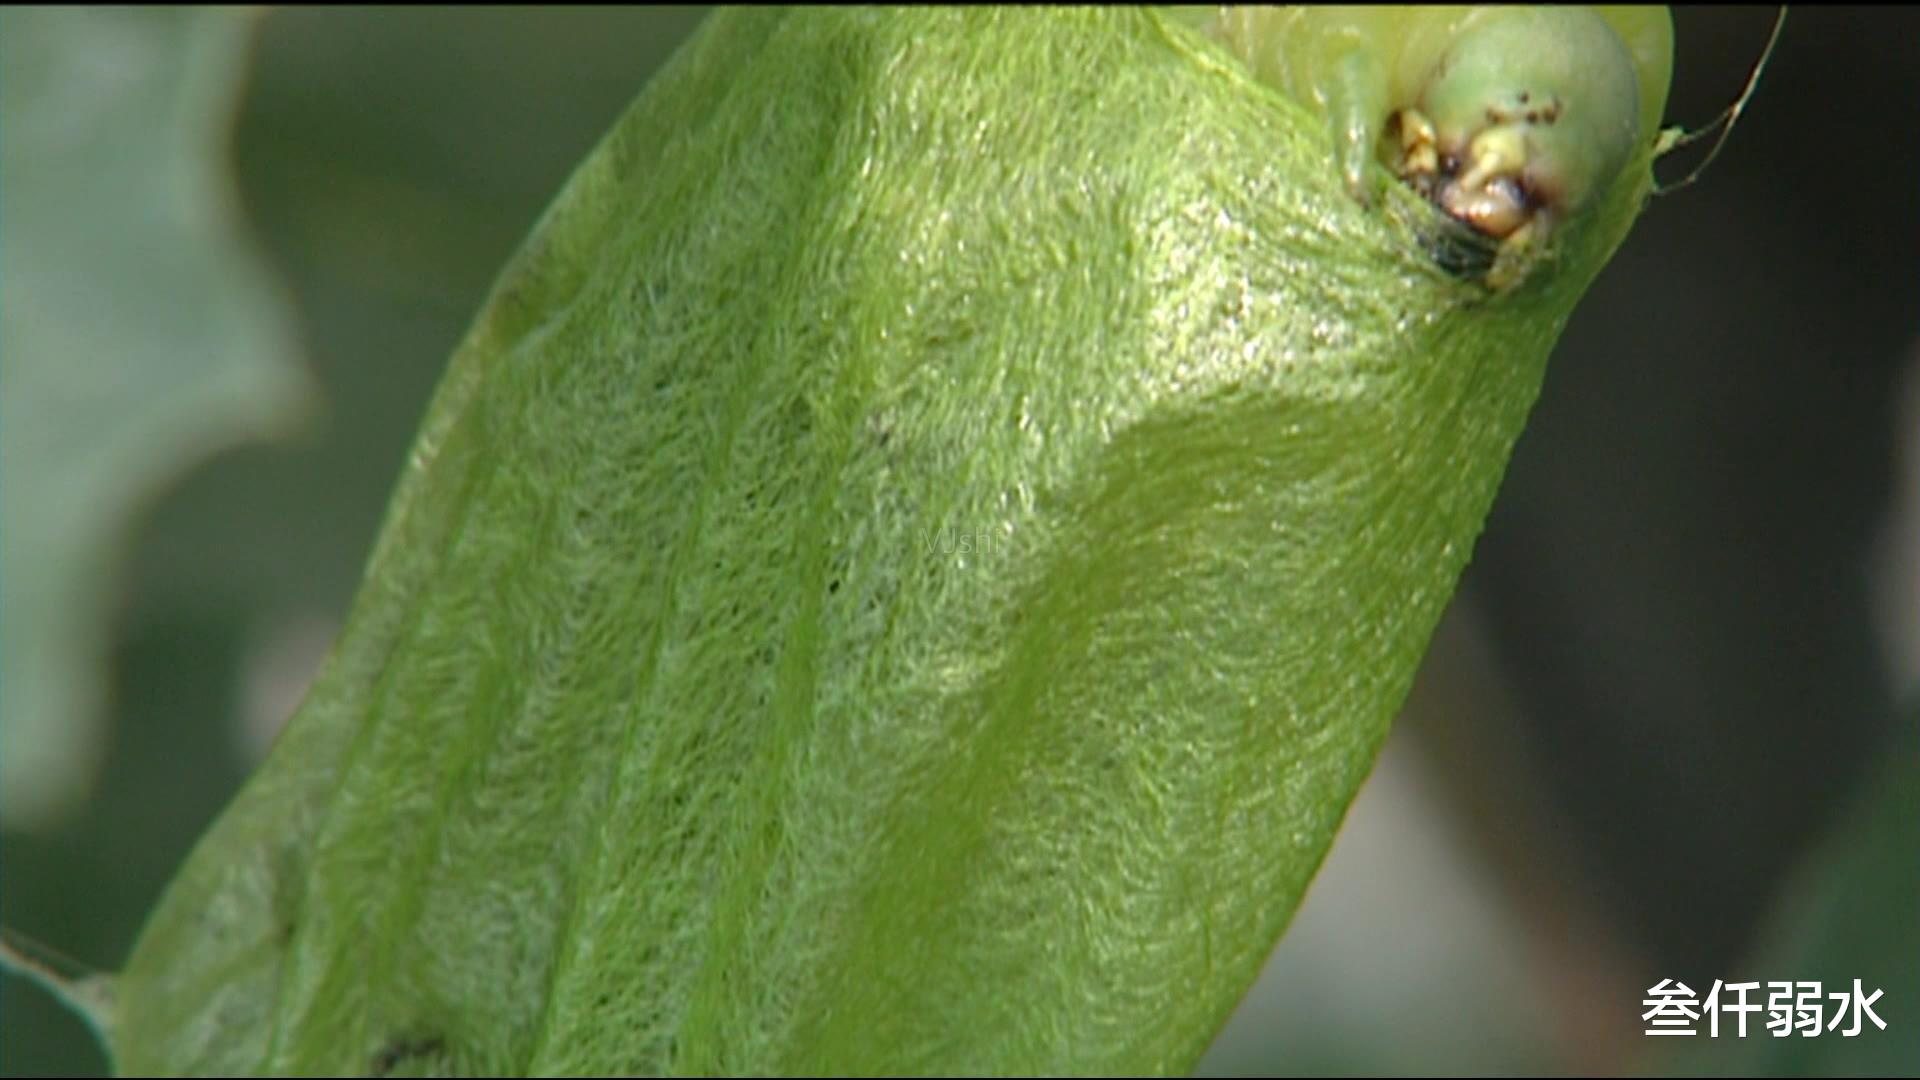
column 403, row 1049
column 1459, row 250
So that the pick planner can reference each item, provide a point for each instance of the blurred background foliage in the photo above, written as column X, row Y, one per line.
column 1668, row 730
column 143, row 332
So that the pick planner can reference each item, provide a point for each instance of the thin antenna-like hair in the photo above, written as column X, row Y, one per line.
column 1675, row 138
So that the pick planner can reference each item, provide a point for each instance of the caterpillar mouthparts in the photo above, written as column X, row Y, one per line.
column 1509, row 119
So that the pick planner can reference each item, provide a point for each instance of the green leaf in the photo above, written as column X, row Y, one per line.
column 141, row 334
column 905, row 575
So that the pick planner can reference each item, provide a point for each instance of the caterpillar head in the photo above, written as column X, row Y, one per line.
column 1527, row 116
column 1512, row 120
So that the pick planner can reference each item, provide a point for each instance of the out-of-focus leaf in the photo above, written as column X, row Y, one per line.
column 139, row 333
column 905, row 575
column 1853, row 912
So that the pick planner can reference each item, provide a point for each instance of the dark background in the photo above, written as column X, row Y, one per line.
column 1644, row 728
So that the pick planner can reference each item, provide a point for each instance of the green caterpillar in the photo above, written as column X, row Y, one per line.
column 671, row 733
column 1511, row 119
